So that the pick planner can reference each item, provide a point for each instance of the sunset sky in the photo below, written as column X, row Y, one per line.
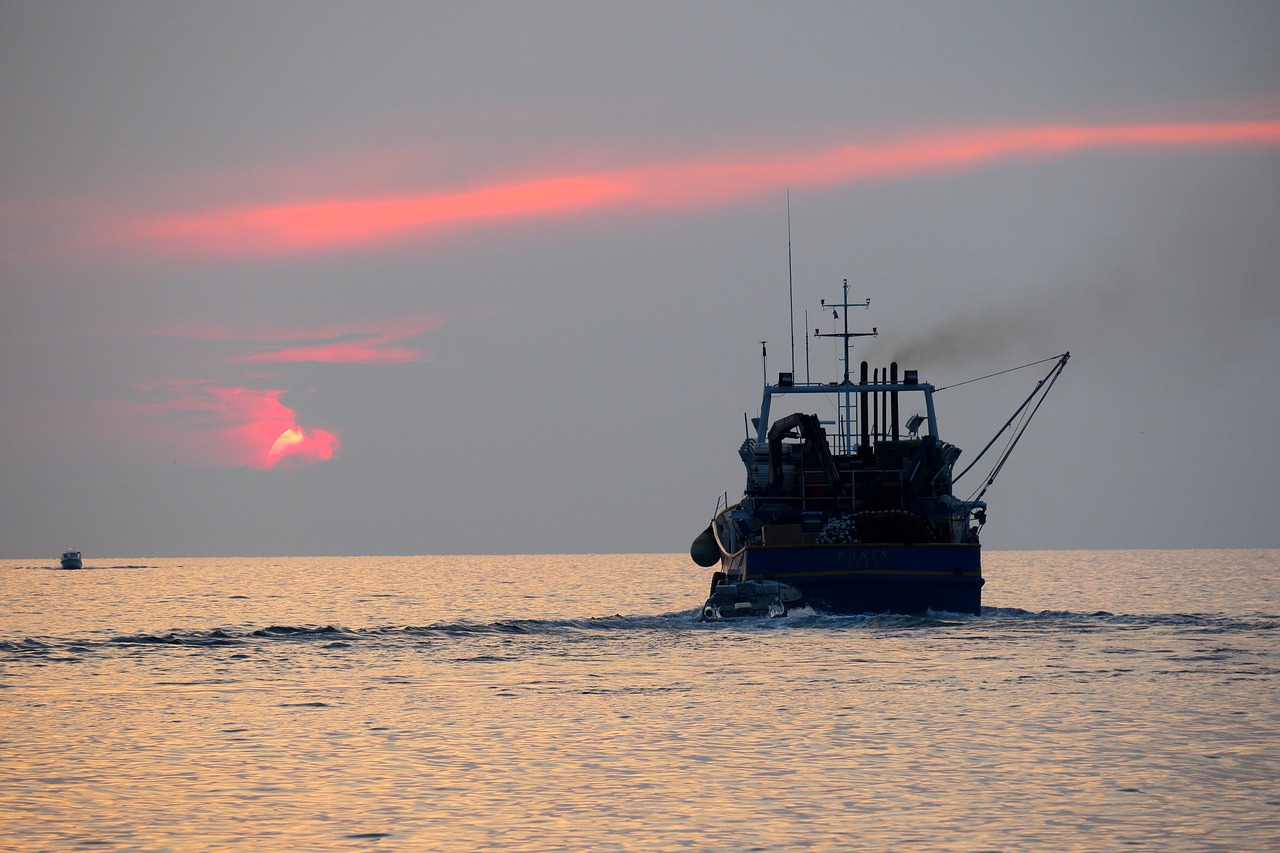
column 400, row 278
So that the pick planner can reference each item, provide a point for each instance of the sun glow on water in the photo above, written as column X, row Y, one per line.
column 518, row 703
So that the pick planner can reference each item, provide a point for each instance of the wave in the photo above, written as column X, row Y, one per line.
column 1249, row 622
column 81, row 569
column 805, row 619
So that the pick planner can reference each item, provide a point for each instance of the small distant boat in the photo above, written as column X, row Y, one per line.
column 71, row 560
column 861, row 521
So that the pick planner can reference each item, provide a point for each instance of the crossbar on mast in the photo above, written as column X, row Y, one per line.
column 846, row 334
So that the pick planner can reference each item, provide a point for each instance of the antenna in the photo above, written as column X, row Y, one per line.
column 791, row 294
column 806, row 347
column 764, row 362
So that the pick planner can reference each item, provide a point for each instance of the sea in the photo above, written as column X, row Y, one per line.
column 1103, row 700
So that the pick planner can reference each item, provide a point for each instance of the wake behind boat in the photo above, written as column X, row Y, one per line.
column 861, row 521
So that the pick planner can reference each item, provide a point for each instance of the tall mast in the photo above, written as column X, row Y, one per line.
column 846, row 402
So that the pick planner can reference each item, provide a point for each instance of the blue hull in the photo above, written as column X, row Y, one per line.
column 871, row 578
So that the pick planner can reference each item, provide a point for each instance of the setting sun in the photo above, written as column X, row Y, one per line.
column 287, row 442
column 316, row 445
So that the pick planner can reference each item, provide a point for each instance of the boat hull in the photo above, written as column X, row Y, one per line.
column 870, row 578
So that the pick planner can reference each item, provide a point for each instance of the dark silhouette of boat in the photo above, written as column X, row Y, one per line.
column 855, row 513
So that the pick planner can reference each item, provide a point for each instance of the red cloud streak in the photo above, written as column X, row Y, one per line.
column 343, row 223
column 367, row 342
column 348, row 352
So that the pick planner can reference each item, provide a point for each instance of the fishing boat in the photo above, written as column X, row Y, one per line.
column 71, row 560
column 855, row 512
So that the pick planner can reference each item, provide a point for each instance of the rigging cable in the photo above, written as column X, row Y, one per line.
column 1027, row 422
column 997, row 373
column 1051, row 378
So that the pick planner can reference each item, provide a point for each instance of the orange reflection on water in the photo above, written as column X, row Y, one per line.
column 497, row 703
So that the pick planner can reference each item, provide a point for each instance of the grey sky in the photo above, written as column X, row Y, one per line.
column 571, row 376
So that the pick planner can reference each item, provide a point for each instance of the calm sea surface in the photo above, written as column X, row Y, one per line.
column 1102, row 701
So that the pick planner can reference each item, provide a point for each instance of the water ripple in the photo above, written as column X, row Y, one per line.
column 336, row 637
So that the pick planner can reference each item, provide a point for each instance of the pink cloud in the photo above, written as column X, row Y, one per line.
column 348, row 352
column 226, row 426
column 365, row 342
column 350, row 222
column 231, row 423
column 345, row 222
